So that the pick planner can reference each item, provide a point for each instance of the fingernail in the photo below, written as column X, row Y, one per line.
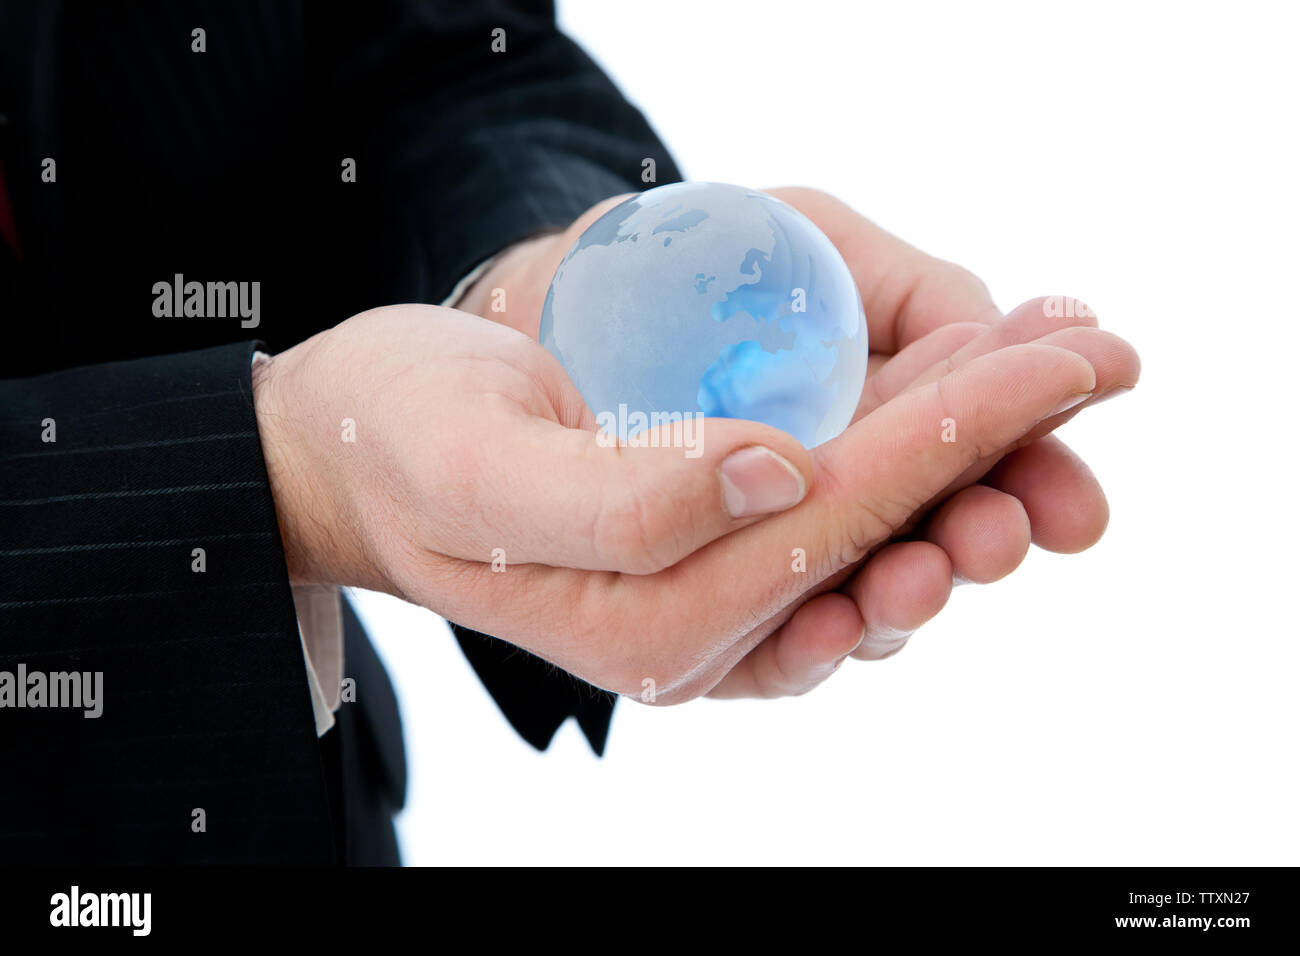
column 756, row 481
column 1114, row 392
column 887, row 641
column 1069, row 403
column 889, row 650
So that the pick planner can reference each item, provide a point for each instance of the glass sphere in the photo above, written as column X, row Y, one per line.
column 710, row 300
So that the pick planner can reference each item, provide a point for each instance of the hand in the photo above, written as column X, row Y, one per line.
column 927, row 315
column 923, row 313
column 625, row 565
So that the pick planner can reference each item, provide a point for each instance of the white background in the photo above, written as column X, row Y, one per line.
column 1136, row 704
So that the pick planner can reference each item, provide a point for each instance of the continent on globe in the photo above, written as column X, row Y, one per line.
column 713, row 300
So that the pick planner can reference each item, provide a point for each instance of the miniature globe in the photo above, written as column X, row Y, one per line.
column 706, row 299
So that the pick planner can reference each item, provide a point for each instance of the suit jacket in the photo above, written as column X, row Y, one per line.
column 131, row 157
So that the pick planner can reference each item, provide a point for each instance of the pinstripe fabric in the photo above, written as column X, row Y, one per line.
column 204, row 693
column 225, row 166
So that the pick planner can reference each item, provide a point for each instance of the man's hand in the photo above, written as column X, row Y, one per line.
column 410, row 443
column 632, row 568
column 925, row 316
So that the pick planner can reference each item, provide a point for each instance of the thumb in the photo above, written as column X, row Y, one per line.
column 579, row 499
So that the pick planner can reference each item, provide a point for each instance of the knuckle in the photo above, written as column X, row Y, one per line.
column 862, row 524
column 872, row 524
column 973, row 441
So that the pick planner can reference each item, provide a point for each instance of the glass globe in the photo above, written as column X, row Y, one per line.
column 707, row 299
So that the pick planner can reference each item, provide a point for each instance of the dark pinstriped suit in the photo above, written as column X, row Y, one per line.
column 225, row 166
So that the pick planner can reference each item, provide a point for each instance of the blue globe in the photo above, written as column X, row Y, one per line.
column 709, row 300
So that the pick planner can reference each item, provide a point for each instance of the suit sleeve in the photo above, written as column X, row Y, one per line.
column 139, row 543
column 481, row 148
column 488, row 125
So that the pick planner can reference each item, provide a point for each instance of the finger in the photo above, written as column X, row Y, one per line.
column 886, row 465
column 985, row 533
column 1117, row 368
column 805, row 651
column 887, row 376
column 577, row 498
column 905, row 293
column 1029, row 322
column 1066, row 506
column 901, row 587
column 869, row 480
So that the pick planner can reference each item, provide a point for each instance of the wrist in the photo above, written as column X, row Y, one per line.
column 513, row 288
column 271, row 431
column 520, row 276
column 293, row 428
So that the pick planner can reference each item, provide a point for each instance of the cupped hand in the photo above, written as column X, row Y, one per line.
column 425, row 452
column 926, row 317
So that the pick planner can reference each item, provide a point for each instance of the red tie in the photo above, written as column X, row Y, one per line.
column 8, row 225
